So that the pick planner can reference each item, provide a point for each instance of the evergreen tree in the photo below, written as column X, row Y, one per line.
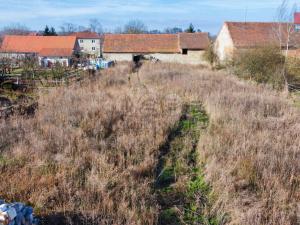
column 46, row 31
column 49, row 31
column 53, row 32
column 191, row 29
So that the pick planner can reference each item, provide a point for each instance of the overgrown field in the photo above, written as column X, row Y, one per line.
column 94, row 151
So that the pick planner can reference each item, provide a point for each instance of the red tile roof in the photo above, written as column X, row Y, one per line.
column 154, row 43
column 86, row 35
column 55, row 52
column 193, row 40
column 251, row 34
column 39, row 44
column 141, row 43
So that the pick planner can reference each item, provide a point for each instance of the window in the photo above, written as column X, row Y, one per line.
column 93, row 48
column 81, row 41
column 93, row 41
column 184, row 51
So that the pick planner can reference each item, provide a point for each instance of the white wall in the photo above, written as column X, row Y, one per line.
column 224, row 47
column 118, row 56
column 87, row 45
column 63, row 61
column 193, row 57
column 12, row 55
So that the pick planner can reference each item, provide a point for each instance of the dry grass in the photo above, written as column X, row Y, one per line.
column 92, row 148
column 251, row 149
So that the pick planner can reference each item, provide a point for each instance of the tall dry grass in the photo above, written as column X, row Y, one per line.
column 90, row 152
column 251, row 149
column 92, row 148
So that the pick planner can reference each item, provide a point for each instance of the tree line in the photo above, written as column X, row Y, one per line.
column 131, row 27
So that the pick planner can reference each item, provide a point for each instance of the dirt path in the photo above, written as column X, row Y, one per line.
column 182, row 193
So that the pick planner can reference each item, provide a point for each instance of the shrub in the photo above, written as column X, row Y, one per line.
column 293, row 70
column 210, row 56
column 261, row 64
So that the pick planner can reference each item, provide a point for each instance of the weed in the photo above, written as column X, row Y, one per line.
column 169, row 217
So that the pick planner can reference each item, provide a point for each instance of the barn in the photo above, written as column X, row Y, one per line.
column 186, row 48
column 238, row 36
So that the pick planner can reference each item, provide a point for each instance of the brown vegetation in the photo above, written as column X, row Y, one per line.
column 92, row 148
column 251, row 149
column 266, row 65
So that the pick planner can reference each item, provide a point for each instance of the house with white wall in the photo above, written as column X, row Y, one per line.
column 89, row 43
column 47, row 49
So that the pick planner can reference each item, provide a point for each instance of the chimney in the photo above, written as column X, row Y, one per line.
column 297, row 21
column 297, row 18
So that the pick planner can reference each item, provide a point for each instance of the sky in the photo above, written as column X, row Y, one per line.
column 207, row 15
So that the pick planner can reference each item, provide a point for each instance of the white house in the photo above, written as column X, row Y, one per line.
column 48, row 49
column 89, row 43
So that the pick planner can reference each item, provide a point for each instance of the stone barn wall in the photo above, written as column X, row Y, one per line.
column 194, row 57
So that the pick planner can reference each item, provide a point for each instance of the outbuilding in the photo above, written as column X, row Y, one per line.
column 185, row 48
column 239, row 36
column 47, row 49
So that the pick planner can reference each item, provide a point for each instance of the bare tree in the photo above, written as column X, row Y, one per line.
column 68, row 28
column 5, row 66
column 174, row 30
column 16, row 29
column 82, row 28
column 118, row 30
column 30, row 66
column 284, row 30
column 58, row 71
column 95, row 26
column 135, row 27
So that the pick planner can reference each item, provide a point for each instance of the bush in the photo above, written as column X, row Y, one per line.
column 210, row 56
column 262, row 64
column 293, row 70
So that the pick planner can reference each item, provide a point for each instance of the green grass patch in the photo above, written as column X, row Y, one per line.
column 169, row 216
column 181, row 184
column 166, row 177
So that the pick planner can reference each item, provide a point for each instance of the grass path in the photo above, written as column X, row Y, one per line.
column 182, row 193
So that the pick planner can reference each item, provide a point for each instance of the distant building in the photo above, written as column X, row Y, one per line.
column 186, row 48
column 89, row 43
column 48, row 49
column 238, row 36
